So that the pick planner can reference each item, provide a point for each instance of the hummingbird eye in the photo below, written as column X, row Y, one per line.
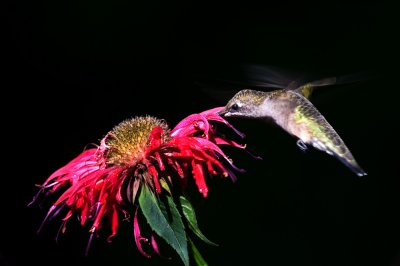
column 234, row 107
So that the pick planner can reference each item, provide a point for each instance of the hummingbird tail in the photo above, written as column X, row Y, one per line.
column 353, row 166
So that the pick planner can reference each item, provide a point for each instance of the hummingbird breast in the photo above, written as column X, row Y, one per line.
column 283, row 107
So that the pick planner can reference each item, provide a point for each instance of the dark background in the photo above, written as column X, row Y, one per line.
column 74, row 69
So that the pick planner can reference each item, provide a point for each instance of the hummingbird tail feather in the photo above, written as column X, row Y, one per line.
column 353, row 166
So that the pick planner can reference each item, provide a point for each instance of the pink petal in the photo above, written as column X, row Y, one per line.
column 114, row 223
column 153, row 172
column 187, row 126
column 159, row 161
column 211, row 114
column 155, row 137
column 154, row 244
column 198, row 174
column 138, row 237
column 84, row 159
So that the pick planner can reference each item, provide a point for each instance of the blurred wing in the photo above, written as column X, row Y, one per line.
column 267, row 78
column 231, row 79
column 272, row 77
column 307, row 89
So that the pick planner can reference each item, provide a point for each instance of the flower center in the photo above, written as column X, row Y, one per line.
column 129, row 140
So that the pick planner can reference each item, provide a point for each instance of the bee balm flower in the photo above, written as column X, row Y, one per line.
column 139, row 162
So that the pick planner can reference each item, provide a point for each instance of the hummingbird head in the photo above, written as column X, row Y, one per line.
column 245, row 103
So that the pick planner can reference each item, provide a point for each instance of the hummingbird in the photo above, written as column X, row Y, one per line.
column 291, row 110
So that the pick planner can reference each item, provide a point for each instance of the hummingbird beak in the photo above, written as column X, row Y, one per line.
column 222, row 112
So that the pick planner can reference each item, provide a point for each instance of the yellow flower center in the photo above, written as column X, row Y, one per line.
column 128, row 141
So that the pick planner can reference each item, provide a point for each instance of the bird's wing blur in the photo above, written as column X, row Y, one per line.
column 223, row 86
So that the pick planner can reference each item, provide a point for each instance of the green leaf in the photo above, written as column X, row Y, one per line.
column 190, row 215
column 196, row 255
column 172, row 232
column 165, row 186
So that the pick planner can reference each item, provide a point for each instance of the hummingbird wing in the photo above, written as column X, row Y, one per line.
column 307, row 89
column 267, row 78
column 252, row 76
column 222, row 86
column 274, row 77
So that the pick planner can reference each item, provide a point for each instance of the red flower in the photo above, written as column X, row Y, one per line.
column 101, row 181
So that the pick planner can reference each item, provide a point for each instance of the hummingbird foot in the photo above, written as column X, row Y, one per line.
column 301, row 145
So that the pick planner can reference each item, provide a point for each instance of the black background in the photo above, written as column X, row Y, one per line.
column 73, row 70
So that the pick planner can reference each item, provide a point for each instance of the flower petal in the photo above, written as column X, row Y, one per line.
column 138, row 237
column 198, row 174
column 189, row 125
column 114, row 223
column 212, row 114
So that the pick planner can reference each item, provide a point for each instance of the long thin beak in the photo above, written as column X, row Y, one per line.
column 222, row 112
